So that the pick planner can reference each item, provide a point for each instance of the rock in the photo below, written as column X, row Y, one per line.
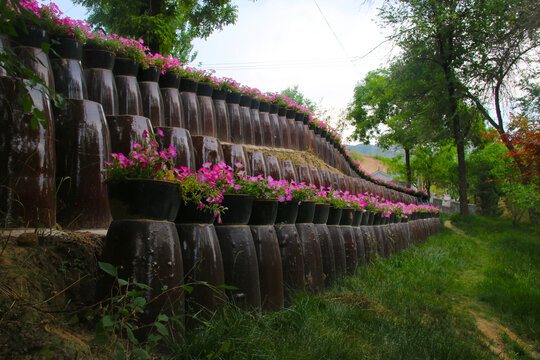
column 27, row 239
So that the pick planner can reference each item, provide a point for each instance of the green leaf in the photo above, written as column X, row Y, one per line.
column 140, row 353
column 132, row 337
column 107, row 321
column 38, row 113
column 135, row 293
column 100, row 339
column 45, row 47
column 228, row 287
column 163, row 317
column 27, row 104
column 143, row 286
column 34, row 123
column 108, row 268
column 153, row 338
column 161, row 328
column 188, row 289
column 10, row 29
column 122, row 282
column 139, row 301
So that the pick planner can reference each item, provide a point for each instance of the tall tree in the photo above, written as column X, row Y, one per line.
column 505, row 36
column 385, row 107
column 167, row 26
column 471, row 46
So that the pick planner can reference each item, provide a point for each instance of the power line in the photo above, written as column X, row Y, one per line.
column 293, row 62
column 337, row 38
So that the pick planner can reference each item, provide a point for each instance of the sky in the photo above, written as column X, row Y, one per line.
column 324, row 46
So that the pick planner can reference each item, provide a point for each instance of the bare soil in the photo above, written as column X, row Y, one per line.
column 370, row 164
column 47, row 297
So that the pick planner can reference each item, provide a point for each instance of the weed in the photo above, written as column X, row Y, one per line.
column 120, row 320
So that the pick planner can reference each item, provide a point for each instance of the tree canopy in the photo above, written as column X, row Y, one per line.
column 167, row 26
column 462, row 54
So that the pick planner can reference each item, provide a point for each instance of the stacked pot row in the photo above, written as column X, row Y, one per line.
column 54, row 173
column 258, row 257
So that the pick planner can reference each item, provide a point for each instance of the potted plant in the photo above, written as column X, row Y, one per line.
column 130, row 55
column 26, row 19
column 151, row 67
column 67, row 35
column 99, row 51
column 304, row 194
column 237, row 203
column 147, row 172
column 322, row 206
column 142, row 241
column 264, row 192
column 337, row 204
column 202, row 192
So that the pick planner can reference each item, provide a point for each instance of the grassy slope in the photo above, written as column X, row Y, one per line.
column 416, row 305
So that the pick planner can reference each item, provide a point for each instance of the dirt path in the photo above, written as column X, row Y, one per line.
column 493, row 331
column 448, row 224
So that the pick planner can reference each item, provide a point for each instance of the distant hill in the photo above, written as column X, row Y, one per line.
column 374, row 150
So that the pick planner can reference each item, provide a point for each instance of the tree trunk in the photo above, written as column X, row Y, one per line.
column 447, row 56
column 462, row 178
column 408, row 167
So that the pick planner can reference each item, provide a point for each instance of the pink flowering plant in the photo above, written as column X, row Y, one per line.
column 154, row 60
column 145, row 161
column 99, row 40
column 356, row 203
column 337, row 199
column 302, row 191
column 130, row 48
column 205, row 188
column 172, row 66
column 229, row 84
column 56, row 24
column 321, row 195
column 259, row 187
column 202, row 75
column 249, row 91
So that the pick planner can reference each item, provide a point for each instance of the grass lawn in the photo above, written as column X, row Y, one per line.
column 473, row 294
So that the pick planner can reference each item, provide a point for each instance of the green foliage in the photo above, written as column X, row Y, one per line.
column 299, row 98
column 519, row 198
column 25, row 79
column 463, row 51
column 167, row 26
column 435, row 163
column 484, row 163
column 529, row 103
column 119, row 324
column 384, row 109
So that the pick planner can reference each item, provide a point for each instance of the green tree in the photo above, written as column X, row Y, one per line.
column 433, row 163
column 472, row 47
column 483, row 164
column 167, row 26
column 386, row 106
column 299, row 98
column 506, row 37
column 529, row 102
